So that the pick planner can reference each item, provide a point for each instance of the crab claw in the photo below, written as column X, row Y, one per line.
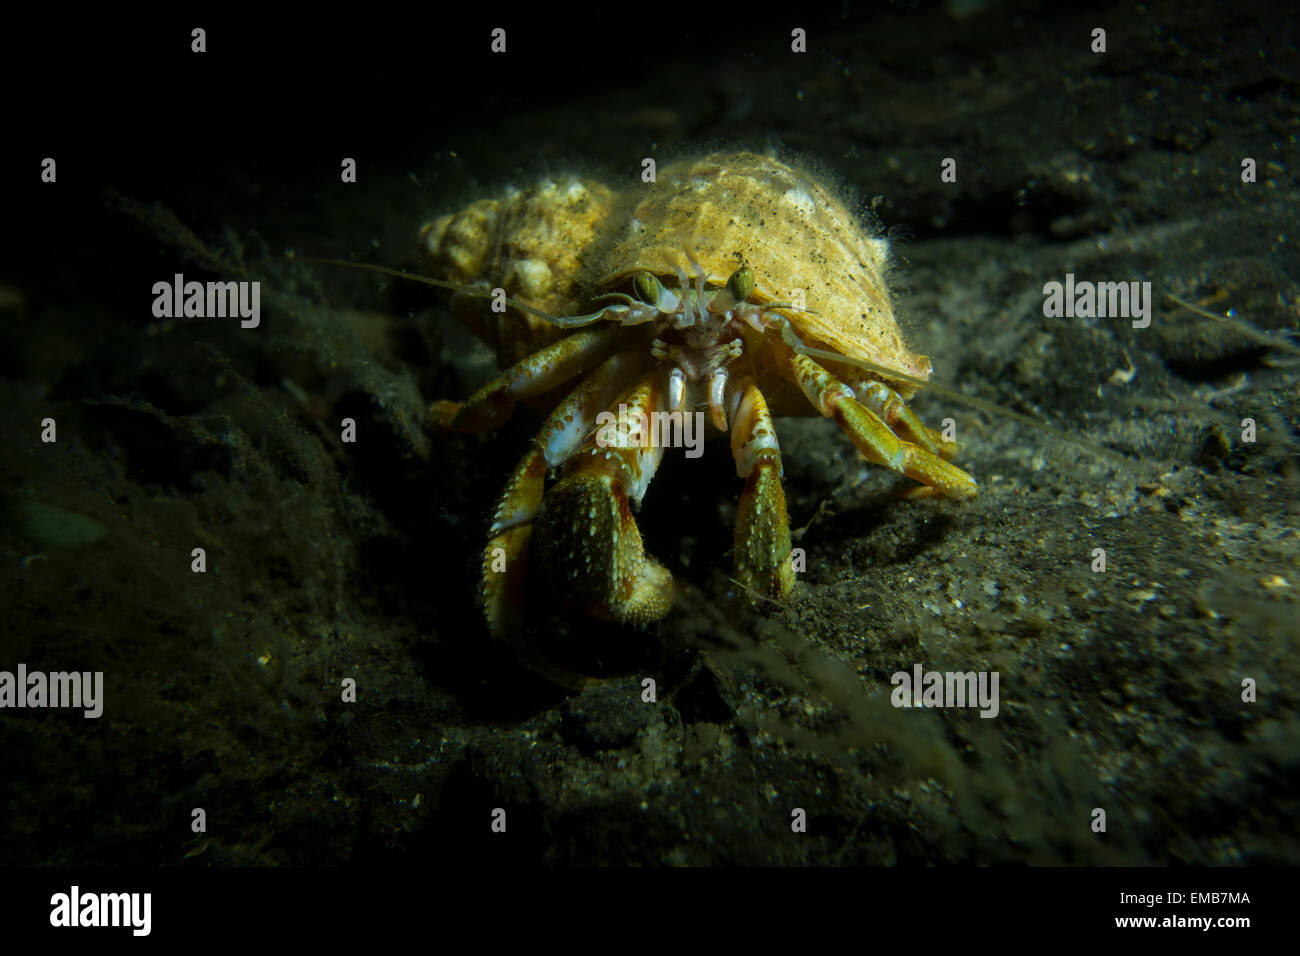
column 588, row 543
column 587, row 540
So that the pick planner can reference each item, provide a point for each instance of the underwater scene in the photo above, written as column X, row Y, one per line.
column 863, row 437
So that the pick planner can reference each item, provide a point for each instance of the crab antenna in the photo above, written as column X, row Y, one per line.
column 1244, row 327
column 563, row 322
column 620, row 297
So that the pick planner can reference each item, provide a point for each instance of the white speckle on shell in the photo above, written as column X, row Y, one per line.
column 534, row 277
column 801, row 201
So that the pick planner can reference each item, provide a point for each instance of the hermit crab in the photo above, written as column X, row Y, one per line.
column 734, row 288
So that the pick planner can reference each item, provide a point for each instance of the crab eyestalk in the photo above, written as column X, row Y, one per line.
column 741, row 283
column 652, row 296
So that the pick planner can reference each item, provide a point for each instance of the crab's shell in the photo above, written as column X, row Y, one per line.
column 794, row 234
column 559, row 244
column 530, row 242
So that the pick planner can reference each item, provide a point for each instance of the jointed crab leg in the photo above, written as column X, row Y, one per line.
column 869, row 432
column 889, row 405
column 492, row 405
column 559, row 438
column 587, row 532
column 762, row 543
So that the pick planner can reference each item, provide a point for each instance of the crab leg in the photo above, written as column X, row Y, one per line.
column 560, row 437
column 869, row 432
column 492, row 405
column 889, row 405
column 762, row 543
column 587, row 537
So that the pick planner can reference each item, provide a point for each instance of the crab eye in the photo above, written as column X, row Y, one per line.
column 741, row 283
column 647, row 287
